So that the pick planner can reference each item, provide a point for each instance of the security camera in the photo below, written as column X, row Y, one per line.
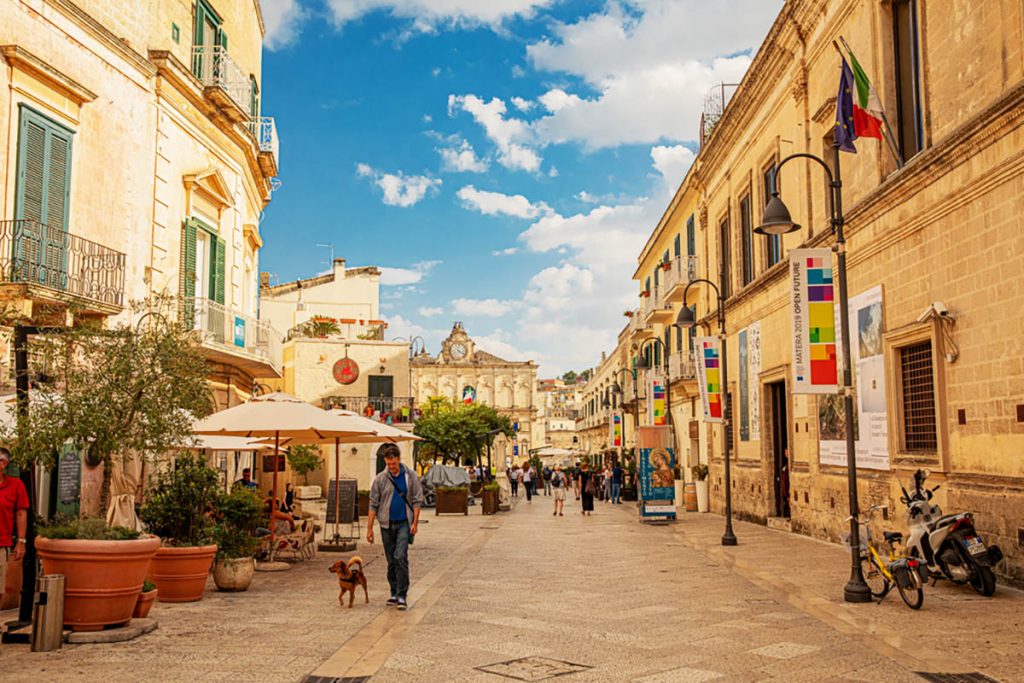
column 935, row 309
column 940, row 309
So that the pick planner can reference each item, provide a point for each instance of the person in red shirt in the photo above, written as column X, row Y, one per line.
column 13, row 513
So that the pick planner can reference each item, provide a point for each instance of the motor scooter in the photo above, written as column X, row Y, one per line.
column 949, row 544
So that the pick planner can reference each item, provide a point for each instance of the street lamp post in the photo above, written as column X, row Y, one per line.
column 777, row 221
column 687, row 320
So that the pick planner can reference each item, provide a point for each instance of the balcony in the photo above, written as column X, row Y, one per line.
column 224, row 82
column 681, row 367
column 660, row 310
column 49, row 264
column 681, row 272
column 397, row 408
column 236, row 339
column 264, row 131
column 637, row 323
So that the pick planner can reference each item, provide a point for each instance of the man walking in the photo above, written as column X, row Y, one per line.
column 395, row 495
column 558, row 485
column 13, row 518
column 617, row 482
column 547, row 480
column 527, row 479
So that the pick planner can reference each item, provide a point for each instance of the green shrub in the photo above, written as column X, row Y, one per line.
column 90, row 529
column 147, row 586
column 304, row 459
column 700, row 472
column 180, row 507
column 492, row 486
column 451, row 489
column 238, row 515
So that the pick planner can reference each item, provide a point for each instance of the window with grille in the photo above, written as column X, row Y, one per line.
column 747, row 244
column 918, row 398
column 726, row 257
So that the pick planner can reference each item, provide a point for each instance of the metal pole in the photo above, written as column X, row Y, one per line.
column 27, row 476
column 728, row 537
column 273, row 496
column 856, row 590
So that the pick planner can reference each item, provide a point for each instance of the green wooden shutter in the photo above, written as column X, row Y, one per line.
column 188, row 271
column 222, row 39
column 217, row 259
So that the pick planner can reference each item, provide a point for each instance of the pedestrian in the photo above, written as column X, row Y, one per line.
column 617, row 474
column 585, row 488
column 576, row 480
column 246, row 480
column 396, row 493
column 13, row 518
column 527, row 478
column 606, row 483
column 558, row 484
column 513, row 480
column 547, row 481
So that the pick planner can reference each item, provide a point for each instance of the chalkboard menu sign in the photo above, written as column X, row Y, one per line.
column 346, row 508
column 69, row 478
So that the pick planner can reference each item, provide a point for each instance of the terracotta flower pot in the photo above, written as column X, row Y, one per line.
column 180, row 573
column 234, row 574
column 143, row 604
column 103, row 579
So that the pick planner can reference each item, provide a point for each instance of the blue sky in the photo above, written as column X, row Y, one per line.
column 502, row 161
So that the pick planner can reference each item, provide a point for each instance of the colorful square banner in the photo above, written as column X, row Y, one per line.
column 615, row 426
column 815, row 363
column 658, row 402
column 707, row 353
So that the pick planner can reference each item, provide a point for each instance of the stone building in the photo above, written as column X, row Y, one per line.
column 464, row 373
column 598, row 401
column 936, row 260
column 135, row 161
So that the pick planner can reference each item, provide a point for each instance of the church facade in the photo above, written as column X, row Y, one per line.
column 463, row 373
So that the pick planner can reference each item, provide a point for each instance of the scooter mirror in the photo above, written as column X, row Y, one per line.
column 925, row 473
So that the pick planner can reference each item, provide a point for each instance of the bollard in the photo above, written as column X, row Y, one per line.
column 48, row 616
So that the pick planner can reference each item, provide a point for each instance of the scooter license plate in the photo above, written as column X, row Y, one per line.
column 975, row 546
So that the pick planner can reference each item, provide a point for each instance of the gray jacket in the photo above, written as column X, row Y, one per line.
column 382, row 490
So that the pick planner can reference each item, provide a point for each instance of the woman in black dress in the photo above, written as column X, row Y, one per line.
column 586, row 486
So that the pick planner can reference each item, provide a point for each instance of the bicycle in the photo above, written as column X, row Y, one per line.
column 899, row 570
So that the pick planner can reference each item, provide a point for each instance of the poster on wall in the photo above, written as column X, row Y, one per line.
column 615, row 427
column 658, row 401
column 706, row 351
column 815, row 366
column 468, row 394
column 870, row 424
column 749, row 384
column 655, row 473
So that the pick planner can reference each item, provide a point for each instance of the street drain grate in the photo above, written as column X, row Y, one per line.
column 533, row 668
column 333, row 679
column 972, row 677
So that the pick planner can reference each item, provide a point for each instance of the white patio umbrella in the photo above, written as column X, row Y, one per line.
column 279, row 416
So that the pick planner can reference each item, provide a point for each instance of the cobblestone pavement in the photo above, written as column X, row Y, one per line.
column 622, row 601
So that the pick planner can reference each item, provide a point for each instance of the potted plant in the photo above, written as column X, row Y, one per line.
column 628, row 314
column 180, row 509
column 363, row 500
column 104, row 570
column 489, row 498
column 700, row 476
column 629, row 487
column 452, row 499
column 145, row 600
column 238, row 515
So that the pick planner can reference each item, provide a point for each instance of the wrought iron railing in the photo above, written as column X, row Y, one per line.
column 715, row 102
column 216, row 69
column 680, row 366
column 34, row 253
column 233, row 330
column 397, row 408
column 638, row 322
column 264, row 130
column 682, row 270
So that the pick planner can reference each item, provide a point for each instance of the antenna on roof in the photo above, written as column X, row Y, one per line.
column 328, row 245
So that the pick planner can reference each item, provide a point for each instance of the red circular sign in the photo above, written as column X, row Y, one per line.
column 346, row 371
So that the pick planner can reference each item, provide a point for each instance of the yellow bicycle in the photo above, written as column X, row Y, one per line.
column 899, row 570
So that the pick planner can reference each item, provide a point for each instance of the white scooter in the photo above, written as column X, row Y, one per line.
column 949, row 544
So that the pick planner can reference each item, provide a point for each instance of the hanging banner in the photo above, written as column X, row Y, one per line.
column 750, row 383
column 870, row 423
column 706, row 357
column 658, row 402
column 815, row 362
column 615, row 430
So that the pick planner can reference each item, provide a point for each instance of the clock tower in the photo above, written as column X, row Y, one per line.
column 458, row 347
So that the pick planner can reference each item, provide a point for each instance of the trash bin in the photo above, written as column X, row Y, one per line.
column 48, row 614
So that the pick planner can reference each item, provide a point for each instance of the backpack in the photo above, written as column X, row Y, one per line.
column 547, row 474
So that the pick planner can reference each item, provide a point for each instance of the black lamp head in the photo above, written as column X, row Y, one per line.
column 685, row 318
column 776, row 219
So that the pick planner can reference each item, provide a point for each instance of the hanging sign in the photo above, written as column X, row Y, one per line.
column 815, row 367
column 615, row 438
column 707, row 352
column 750, row 383
column 239, row 331
column 658, row 401
column 346, row 371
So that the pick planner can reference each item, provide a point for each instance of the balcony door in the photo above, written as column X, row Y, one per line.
column 380, row 392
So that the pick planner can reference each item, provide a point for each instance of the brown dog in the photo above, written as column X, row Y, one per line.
column 349, row 578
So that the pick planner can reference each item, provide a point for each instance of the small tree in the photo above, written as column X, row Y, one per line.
column 303, row 460
column 181, row 506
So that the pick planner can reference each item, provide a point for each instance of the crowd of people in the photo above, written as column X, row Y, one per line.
column 585, row 482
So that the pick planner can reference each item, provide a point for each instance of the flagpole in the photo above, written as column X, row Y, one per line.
column 889, row 139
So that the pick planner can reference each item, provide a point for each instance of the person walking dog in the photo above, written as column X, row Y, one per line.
column 396, row 497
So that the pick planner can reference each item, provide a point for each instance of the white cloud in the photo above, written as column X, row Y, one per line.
column 498, row 204
column 283, row 21
column 427, row 118
column 508, row 251
column 521, row 104
column 430, row 311
column 406, row 276
column 511, row 136
column 400, row 189
column 462, row 159
column 492, row 308
column 427, row 15
column 497, row 342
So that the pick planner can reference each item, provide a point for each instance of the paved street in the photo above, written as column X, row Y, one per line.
column 623, row 602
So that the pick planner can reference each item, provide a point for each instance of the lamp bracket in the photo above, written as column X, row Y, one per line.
column 839, row 248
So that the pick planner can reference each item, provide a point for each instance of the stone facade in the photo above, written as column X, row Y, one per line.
column 462, row 372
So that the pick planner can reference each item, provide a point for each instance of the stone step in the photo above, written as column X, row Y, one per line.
column 780, row 523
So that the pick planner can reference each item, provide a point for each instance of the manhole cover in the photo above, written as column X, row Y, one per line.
column 972, row 677
column 533, row 668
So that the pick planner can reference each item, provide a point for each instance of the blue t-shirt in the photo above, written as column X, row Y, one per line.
column 616, row 475
column 399, row 510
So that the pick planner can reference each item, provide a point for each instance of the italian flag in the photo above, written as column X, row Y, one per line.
column 867, row 108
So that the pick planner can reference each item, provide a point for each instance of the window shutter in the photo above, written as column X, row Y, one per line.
column 30, row 200
column 222, row 38
column 188, row 260
column 676, row 247
column 217, row 270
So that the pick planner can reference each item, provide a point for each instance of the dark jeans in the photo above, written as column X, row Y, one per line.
column 528, row 485
column 396, row 549
column 616, row 492
column 515, row 488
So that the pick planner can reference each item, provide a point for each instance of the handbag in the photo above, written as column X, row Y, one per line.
column 589, row 488
column 412, row 536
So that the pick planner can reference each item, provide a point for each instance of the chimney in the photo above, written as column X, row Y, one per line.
column 339, row 264
column 603, row 356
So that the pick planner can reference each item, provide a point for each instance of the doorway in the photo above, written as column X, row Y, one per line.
column 380, row 390
column 780, row 447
